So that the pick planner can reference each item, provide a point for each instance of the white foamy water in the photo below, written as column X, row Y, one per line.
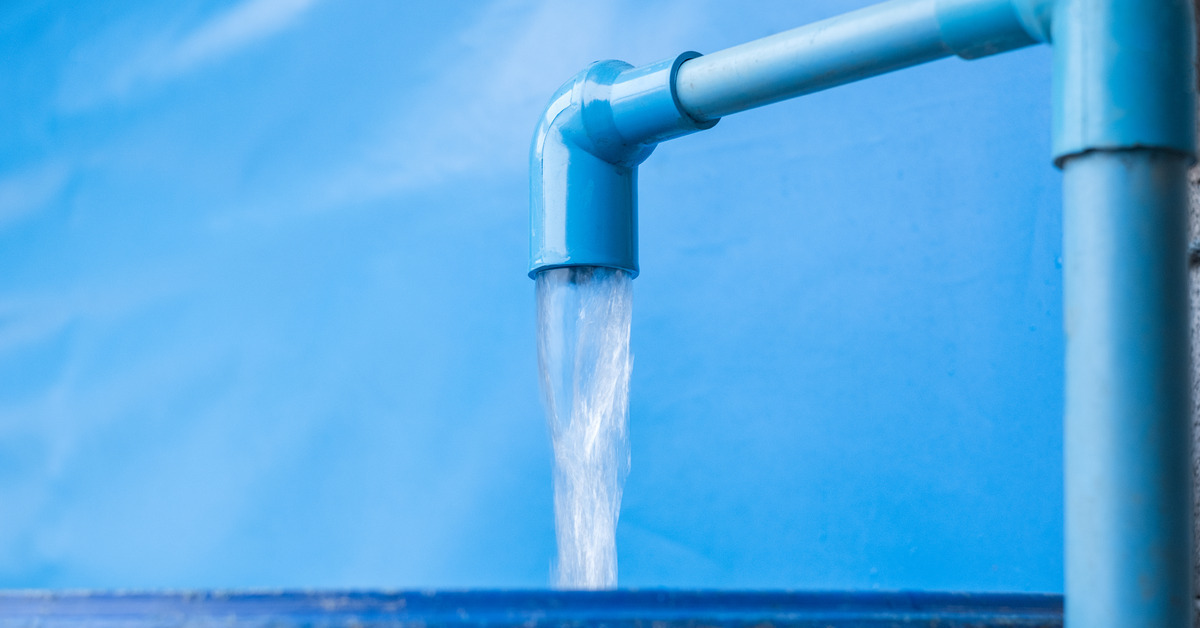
column 583, row 356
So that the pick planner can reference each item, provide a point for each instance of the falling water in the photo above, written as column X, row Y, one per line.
column 583, row 355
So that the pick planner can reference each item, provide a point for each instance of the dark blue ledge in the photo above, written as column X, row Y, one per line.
column 529, row 609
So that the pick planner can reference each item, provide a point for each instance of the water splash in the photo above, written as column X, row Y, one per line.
column 583, row 355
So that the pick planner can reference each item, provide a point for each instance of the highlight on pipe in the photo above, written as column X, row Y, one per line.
column 583, row 163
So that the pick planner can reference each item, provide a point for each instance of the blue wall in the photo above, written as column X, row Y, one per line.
column 264, row 318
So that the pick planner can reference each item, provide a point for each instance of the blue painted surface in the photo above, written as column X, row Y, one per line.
column 531, row 609
column 234, row 349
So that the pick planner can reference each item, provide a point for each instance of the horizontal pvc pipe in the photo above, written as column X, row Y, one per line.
column 600, row 125
column 850, row 47
column 839, row 50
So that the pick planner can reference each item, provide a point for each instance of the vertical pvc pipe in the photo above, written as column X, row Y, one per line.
column 1127, row 431
column 1124, row 136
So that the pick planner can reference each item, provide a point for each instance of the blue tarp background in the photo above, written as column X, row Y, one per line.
column 264, row 318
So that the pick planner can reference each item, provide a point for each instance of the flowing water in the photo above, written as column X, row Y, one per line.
column 583, row 356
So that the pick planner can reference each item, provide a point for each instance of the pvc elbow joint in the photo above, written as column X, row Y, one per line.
column 583, row 164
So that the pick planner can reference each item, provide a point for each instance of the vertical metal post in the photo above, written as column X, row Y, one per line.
column 1124, row 125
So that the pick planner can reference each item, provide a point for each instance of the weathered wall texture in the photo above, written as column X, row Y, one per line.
column 1194, row 264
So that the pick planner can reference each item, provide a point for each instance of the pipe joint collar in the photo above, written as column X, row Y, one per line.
column 1124, row 76
column 645, row 103
column 619, row 113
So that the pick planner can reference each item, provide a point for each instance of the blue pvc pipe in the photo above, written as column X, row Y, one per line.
column 860, row 44
column 600, row 125
column 606, row 120
column 1124, row 75
column 1124, row 134
column 583, row 163
column 1128, row 425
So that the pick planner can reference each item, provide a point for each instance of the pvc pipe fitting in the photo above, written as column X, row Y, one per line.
column 1124, row 76
column 596, row 130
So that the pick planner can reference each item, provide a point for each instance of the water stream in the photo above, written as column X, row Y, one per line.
column 583, row 356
